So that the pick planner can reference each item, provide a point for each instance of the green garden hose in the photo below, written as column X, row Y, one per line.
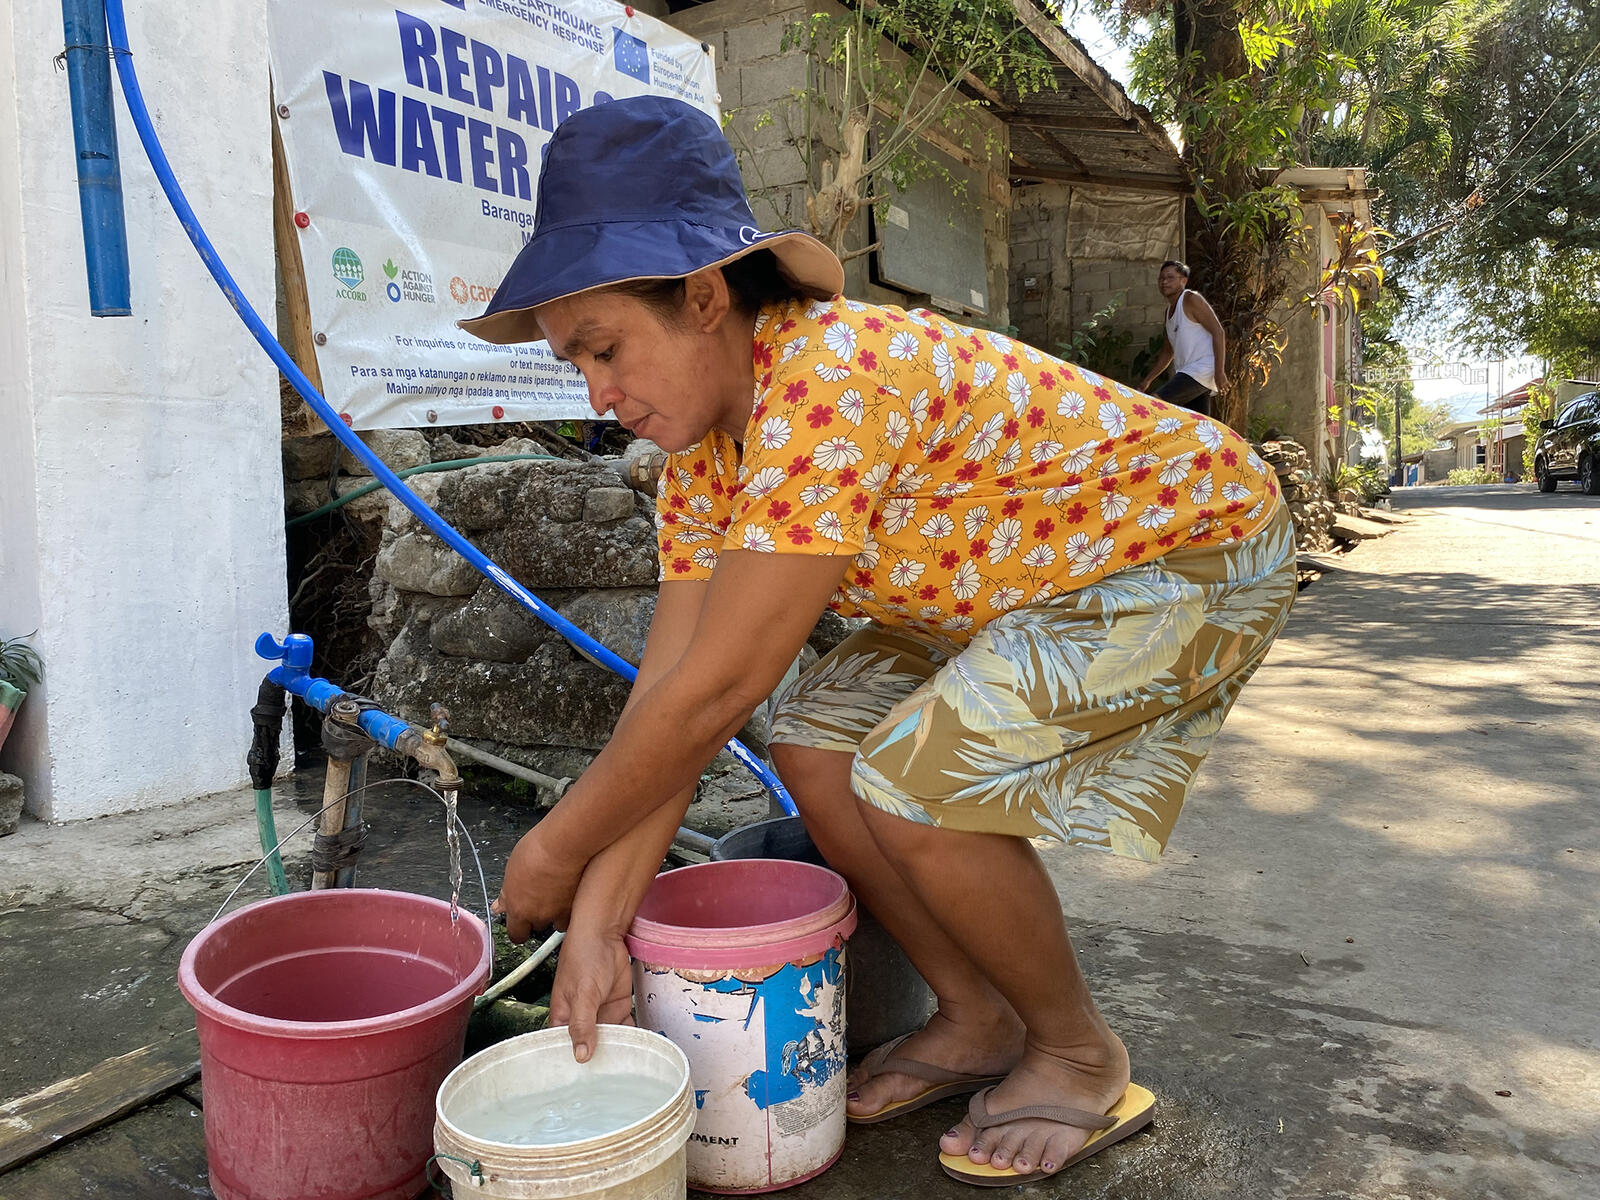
column 448, row 465
column 268, row 828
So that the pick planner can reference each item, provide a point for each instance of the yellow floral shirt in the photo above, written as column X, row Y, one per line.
column 962, row 472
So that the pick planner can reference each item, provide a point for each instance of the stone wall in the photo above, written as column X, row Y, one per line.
column 1076, row 249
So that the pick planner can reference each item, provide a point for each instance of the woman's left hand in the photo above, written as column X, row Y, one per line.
column 538, row 887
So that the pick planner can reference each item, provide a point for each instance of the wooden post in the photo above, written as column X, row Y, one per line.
column 298, row 419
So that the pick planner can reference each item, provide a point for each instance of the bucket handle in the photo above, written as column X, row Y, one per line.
column 475, row 1167
column 488, row 917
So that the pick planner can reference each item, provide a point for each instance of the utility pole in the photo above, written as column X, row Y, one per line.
column 1399, row 466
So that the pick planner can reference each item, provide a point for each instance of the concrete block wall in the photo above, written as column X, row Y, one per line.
column 758, row 78
column 1053, row 292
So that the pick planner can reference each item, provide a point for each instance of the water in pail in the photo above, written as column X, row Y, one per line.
column 523, row 1120
column 742, row 965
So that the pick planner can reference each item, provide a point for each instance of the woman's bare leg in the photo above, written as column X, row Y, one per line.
column 975, row 1029
column 991, row 896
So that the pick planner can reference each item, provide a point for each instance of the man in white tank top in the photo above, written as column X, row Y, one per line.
column 1196, row 345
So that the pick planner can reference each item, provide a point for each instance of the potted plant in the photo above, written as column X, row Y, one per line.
column 20, row 668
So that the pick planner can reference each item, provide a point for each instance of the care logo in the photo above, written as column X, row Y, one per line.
column 347, row 269
column 463, row 292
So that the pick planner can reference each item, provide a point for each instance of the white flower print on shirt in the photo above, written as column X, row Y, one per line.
column 765, row 482
column 851, row 406
column 1112, row 419
column 867, row 556
column 790, row 349
column 817, row 493
column 1155, row 516
column 830, row 527
column 1006, row 538
column 1176, row 470
column 944, row 366
column 1080, row 458
column 906, row 572
column 818, row 309
column 1041, row 555
column 1234, row 490
column 965, row 584
column 903, row 346
column 757, row 538
column 898, row 512
column 1084, row 556
column 1169, row 425
column 1113, row 505
column 983, row 374
column 977, row 517
column 1006, row 598
column 1143, row 460
column 1071, row 405
column 1210, row 436
column 774, row 433
column 919, row 408
column 831, row 374
column 706, row 556
column 1019, row 391
column 1200, row 492
column 896, row 429
column 1008, row 461
column 839, row 337
column 1044, row 451
column 700, row 505
column 999, row 341
column 985, row 440
column 940, row 525
column 835, row 453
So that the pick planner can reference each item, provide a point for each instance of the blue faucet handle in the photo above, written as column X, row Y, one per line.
column 294, row 651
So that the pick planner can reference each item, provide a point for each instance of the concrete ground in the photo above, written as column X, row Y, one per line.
column 1365, row 968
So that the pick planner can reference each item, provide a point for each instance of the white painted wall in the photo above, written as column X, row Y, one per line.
column 141, row 507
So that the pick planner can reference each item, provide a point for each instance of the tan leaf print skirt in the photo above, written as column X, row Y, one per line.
column 1083, row 718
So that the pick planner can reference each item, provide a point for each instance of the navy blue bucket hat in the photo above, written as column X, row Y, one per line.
column 642, row 188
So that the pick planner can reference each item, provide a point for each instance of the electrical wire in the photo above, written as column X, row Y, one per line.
column 483, row 884
column 585, row 645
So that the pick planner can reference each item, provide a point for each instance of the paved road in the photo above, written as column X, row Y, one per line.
column 1377, row 915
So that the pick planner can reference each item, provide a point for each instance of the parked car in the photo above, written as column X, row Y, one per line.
column 1569, row 447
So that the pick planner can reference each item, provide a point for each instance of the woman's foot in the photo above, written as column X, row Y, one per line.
column 987, row 1044
column 1092, row 1078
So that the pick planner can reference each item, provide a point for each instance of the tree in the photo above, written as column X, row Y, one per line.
column 1511, row 230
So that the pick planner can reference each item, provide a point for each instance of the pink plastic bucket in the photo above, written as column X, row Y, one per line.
column 327, row 1022
column 741, row 964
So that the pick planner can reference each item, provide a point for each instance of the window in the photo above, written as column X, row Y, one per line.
column 1480, row 455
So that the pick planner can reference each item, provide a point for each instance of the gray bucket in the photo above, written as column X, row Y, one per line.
column 884, row 994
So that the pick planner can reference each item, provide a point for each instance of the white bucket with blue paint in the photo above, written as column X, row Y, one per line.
column 741, row 964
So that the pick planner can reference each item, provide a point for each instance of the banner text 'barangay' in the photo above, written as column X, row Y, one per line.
column 422, row 154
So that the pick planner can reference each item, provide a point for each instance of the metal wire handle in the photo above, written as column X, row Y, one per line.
column 488, row 917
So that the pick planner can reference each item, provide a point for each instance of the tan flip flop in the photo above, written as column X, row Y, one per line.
column 1127, row 1116
column 945, row 1083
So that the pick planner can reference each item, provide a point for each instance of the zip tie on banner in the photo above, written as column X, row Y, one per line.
column 585, row 645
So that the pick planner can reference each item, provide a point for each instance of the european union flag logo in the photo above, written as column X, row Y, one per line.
column 631, row 54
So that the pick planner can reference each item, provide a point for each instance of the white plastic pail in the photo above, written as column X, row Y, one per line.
column 642, row 1161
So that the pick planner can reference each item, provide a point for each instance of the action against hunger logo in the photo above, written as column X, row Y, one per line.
column 631, row 54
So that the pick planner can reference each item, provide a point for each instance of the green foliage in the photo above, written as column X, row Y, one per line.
column 1537, row 414
column 1367, row 480
column 1508, row 223
column 1467, row 476
column 20, row 664
column 1097, row 345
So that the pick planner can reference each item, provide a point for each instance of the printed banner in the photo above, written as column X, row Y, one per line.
column 413, row 137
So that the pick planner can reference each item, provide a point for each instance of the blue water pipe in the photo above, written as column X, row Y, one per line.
column 94, row 136
column 581, row 641
column 294, row 676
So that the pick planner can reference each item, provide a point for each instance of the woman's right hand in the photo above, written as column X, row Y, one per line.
column 594, row 985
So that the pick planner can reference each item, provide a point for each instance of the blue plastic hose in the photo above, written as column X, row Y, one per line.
column 581, row 641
